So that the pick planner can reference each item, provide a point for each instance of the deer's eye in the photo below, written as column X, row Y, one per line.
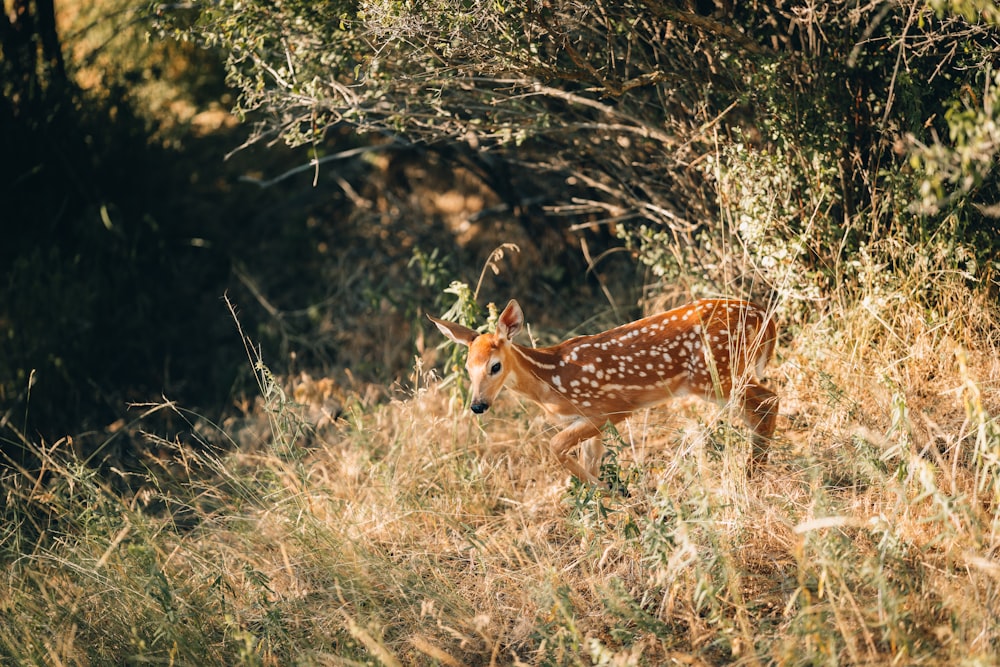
column 495, row 368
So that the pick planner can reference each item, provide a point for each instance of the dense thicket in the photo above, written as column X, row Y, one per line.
column 803, row 133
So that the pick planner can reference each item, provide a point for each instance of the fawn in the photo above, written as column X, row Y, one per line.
column 713, row 348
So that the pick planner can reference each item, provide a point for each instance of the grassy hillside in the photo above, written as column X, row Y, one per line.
column 411, row 532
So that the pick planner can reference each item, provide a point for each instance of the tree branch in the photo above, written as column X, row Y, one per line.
column 705, row 24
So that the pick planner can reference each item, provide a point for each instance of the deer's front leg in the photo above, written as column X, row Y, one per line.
column 564, row 441
column 592, row 453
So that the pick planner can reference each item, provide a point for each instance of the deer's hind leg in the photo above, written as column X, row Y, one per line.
column 760, row 410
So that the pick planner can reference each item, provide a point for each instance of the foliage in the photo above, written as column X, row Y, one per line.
column 863, row 120
column 537, row 82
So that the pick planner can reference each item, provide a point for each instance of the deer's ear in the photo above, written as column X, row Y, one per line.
column 455, row 332
column 511, row 320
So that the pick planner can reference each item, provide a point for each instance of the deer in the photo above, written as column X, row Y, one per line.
column 716, row 349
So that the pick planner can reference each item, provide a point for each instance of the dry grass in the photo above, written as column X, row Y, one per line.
column 410, row 532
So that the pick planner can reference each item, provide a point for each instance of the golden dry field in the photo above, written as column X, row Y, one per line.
column 412, row 532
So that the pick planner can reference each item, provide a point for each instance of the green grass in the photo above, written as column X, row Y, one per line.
column 411, row 532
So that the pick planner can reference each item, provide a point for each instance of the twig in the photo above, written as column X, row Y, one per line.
column 899, row 59
column 252, row 286
column 315, row 162
column 592, row 268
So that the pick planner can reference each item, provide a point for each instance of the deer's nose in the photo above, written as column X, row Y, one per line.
column 480, row 407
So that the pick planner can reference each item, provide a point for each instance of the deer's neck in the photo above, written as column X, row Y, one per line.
column 533, row 371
